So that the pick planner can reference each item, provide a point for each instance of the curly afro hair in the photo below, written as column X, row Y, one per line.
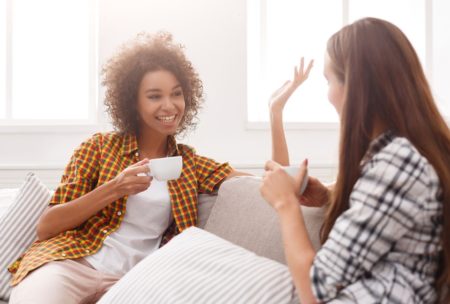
column 123, row 73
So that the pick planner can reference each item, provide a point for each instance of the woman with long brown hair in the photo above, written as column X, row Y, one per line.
column 386, row 235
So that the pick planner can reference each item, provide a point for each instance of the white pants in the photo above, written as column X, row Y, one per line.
column 66, row 281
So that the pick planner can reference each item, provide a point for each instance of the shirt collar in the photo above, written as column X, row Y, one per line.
column 172, row 147
column 130, row 145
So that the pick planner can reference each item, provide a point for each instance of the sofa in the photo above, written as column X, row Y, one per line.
column 239, row 215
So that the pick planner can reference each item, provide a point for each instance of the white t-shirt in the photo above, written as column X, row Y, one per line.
column 147, row 217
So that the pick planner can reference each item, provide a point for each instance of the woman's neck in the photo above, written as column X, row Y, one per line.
column 152, row 145
column 378, row 129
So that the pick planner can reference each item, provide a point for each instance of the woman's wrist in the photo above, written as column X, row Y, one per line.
column 112, row 191
column 287, row 204
column 276, row 115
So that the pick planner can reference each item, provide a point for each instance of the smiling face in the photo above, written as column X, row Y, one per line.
column 335, row 85
column 160, row 103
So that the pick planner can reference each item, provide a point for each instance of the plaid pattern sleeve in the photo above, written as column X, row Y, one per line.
column 81, row 174
column 210, row 174
column 385, row 247
column 97, row 161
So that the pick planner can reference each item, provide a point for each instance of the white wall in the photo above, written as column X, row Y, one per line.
column 214, row 33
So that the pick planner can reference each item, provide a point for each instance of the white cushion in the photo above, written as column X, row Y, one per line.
column 18, row 226
column 205, row 204
column 199, row 267
column 6, row 198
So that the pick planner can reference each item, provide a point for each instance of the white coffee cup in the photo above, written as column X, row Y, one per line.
column 166, row 168
column 293, row 171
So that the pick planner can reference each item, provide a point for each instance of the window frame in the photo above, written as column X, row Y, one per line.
column 255, row 49
column 95, row 120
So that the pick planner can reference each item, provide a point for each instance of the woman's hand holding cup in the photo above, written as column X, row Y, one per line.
column 133, row 179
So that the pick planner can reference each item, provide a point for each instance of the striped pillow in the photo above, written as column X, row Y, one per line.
column 199, row 267
column 18, row 226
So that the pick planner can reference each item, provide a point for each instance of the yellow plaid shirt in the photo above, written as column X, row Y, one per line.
column 97, row 161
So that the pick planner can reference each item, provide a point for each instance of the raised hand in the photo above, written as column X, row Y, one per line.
column 277, row 102
column 280, row 97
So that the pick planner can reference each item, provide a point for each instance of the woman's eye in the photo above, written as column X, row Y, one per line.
column 154, row 97
column 178, row 93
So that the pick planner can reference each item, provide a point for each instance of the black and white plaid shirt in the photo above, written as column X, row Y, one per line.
column 384, row 248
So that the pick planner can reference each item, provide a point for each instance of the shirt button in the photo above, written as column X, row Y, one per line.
column 119, row 213
column 136, row 154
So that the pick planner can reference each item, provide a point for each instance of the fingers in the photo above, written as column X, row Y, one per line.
column 300, row 71
column 136, row 169
column 308, row 69
column 141, row 179
column 301, row 180
column 140, row 163
column 137, row 188
column 127, row 185
column 302, row 64
column 303, row 169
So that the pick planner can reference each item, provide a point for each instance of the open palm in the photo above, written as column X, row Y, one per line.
column 280, row 97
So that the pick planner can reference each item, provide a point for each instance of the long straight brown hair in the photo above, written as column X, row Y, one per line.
column 384, row 83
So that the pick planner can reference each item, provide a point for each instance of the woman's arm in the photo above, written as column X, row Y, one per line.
column 279, row 189
column 277, row 102
column 63, row 217
column 235, row 173
column 295, row 241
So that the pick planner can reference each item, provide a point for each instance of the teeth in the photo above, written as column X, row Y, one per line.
column 166, row 118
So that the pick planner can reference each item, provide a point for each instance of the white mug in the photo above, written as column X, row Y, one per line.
column 293, row 171
column 166, row 168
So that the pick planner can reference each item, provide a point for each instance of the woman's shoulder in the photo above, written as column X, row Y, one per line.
column 105, row 138
column 186, row 150
column 400, row 151
column 98, row 142
column 399, row 159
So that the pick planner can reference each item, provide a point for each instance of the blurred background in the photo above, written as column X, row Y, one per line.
column 52, row 51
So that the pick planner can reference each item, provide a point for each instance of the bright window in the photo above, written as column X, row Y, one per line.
column 50, row 61
column 280, row 32
column 2, row 59
column 408, row 15
column 441, row 55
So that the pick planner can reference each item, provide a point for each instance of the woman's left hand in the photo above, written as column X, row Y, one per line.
column 281, row 95
column 278, row 187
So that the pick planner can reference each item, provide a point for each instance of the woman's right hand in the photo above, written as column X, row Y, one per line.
column 316, row 194
column 133, row 179
column 280, row 97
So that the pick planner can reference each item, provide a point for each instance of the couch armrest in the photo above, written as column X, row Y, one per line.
column 205, row 205
column 241, row 216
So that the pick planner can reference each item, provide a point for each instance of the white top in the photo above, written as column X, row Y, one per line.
column 147, row 217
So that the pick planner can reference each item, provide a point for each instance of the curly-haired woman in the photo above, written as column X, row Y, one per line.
column 106, row 215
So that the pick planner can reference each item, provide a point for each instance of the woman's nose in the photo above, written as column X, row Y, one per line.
column 168, row 104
